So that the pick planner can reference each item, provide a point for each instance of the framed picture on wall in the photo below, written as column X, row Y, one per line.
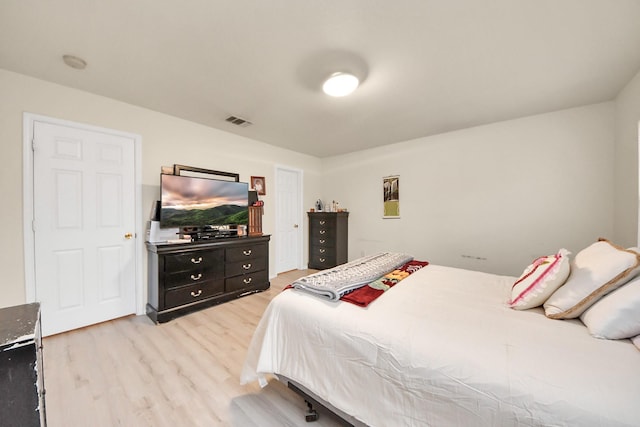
column 391, row 196
column 258, row 184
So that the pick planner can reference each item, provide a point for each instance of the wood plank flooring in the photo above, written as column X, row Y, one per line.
column 186, row 372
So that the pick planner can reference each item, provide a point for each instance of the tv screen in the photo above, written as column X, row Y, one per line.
column 188, row 201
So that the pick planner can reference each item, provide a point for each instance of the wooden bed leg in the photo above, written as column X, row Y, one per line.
column 312, row 415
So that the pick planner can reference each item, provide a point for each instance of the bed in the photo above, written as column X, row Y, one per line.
column 443, row 348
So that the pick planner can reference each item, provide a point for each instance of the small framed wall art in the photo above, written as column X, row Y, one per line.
column 391, row 196
column 258, row 184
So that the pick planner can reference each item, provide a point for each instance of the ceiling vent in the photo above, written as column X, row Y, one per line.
column 243, row 123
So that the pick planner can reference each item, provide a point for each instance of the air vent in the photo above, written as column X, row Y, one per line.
column 238, row 121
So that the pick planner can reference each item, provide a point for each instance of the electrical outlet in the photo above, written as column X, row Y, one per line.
column 477, row 258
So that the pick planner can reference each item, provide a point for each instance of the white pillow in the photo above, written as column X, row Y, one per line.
column 617, row 315
column 636, row 341
column 595, row 271
column 539, row 280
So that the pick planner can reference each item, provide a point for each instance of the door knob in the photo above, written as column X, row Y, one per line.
column 295, row 225
column 128, row 236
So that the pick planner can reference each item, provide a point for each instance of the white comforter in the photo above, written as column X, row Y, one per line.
column 442, row 349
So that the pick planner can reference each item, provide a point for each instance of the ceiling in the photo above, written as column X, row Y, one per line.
column 428, row 66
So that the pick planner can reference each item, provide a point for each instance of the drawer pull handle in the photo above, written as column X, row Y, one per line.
column 196, row 261
column 323, row 231
column 247, row 281
column 323, row 222
column 322, row 260
column 322, row 250
column 247, row 253
column 246, row 266
column 196, row 294
column 198, row 277
column 322, row 240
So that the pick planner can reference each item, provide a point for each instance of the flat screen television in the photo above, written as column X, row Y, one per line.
column 188, row 201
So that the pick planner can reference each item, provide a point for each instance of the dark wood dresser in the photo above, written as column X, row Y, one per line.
column 21, row 369
column 328, row 234
column 184, row 277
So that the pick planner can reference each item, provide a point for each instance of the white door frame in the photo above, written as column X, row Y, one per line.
column 28, row 121
column 299, row 172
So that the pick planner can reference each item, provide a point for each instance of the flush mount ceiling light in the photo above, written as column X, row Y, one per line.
column 74, row 62
column 340, row 84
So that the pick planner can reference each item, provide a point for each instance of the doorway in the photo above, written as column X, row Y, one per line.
column 82, row 222
column 289, row 220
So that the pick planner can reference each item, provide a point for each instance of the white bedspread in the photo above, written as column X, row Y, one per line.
column 442, row 349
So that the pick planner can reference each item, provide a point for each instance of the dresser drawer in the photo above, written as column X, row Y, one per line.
column 322, row 251
column 246, row 281
column 205, row 260
column 193, row 276
column 323, row 222
column 186, row 294
column 246, row 252
column 322, row 241
column 245, row 267
column 321, row 261
column 323, row 232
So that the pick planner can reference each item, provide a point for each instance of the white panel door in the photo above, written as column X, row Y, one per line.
column 84, row 222
column 288, row 226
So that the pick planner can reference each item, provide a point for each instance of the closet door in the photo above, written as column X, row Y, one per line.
column 84, row 226
column 289, row 219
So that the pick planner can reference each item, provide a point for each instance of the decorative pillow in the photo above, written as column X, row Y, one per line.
column 617, row 315
column 636, row 341
column 540, row 280
column 595, row 271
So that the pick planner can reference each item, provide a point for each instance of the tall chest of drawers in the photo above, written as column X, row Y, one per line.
column 185, row 277
column 328, row 235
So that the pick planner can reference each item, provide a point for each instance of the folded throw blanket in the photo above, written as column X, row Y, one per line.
column 367, row 294
column 337, row 281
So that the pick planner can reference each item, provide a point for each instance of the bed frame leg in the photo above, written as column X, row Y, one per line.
column 312, row 415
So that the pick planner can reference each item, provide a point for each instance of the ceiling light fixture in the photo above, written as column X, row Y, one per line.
column 74, row 62
column 340, row 84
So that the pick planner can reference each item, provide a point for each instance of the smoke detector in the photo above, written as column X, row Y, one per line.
column 74, row 62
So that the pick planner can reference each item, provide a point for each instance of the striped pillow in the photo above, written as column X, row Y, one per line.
column 540, row 280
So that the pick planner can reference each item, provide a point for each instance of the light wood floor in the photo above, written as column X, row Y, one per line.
column 130, row 372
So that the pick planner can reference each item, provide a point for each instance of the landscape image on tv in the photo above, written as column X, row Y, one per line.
column 193, row 201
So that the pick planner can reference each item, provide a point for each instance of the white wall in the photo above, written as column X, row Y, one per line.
column 626, row 163
column 507, row 192
column 165, row 140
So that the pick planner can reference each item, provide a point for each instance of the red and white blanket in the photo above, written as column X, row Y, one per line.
column 335, row 282
column 369, row 292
